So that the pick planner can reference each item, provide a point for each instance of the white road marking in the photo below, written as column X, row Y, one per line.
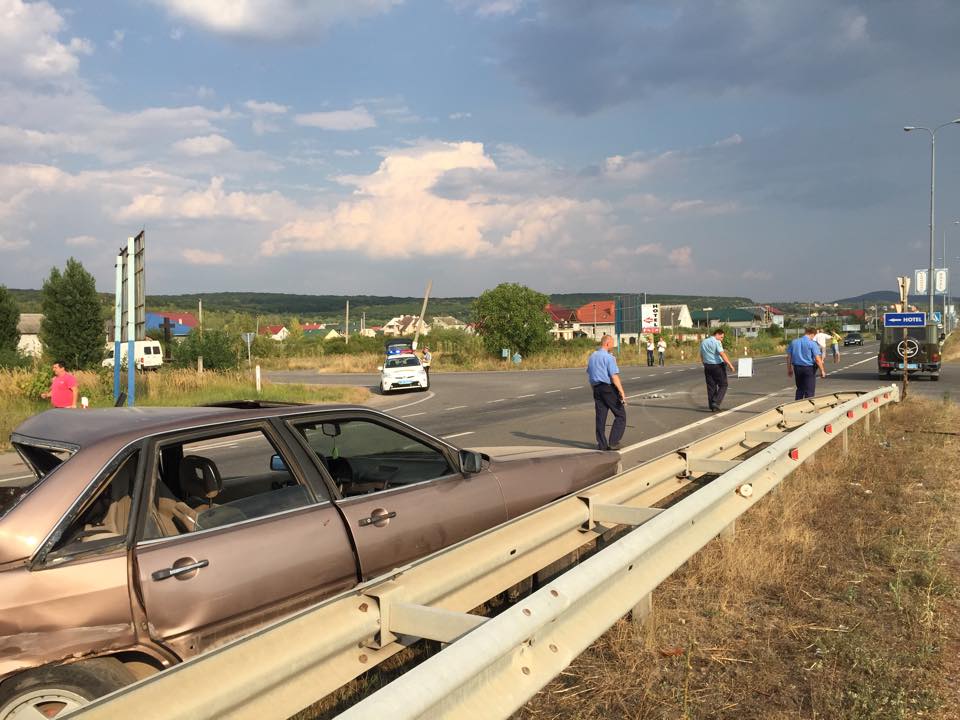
column 850, row 366
column 526, row 396
column 456, row 407
column 637, row 378
column 576, row 387
column 18, row 477
column 430, row 394
column 228, row 444
column 495, row 401
column 413, row 414
column 447, row 437
column 550, row 391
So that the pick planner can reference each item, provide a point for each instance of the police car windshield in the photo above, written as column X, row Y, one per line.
column 405, row 361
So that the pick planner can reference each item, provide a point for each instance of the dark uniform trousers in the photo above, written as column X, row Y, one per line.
column 716, row 375
column 805, row 376
column 606, row 398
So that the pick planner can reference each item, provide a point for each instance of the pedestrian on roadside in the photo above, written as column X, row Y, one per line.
column 427, row 358
column 715, row 364
column 63, row 388
column 661, row 349
column 835, row 345
column 822, row 339
column 650, row 348
column 608, row 395
column 804, row 358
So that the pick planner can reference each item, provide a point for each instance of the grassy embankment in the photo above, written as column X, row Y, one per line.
column 839, row 598
column 20, row 392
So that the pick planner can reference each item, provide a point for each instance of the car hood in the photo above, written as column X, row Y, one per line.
column 529, row 452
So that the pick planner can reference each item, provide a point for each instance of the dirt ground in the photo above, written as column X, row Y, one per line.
column 839, row 598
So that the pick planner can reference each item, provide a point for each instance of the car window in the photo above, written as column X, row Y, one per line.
column 220, row 480
column 402, row 362
column 104, row 519
column 363, row 456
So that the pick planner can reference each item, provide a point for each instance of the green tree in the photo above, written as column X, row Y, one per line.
column 219, row 349
column 9, row 318
column 72, row 329
column 513, row 316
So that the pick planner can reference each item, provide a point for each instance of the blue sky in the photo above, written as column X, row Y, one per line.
column 731, row 147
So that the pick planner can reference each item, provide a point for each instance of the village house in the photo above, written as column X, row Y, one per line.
column 405, row 325
column 565, row 323
column 29, row 327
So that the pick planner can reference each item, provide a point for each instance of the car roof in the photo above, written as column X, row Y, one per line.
column 84, row 428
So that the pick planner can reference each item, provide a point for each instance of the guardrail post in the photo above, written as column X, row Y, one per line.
column 866, row 423
column 845, row 437
column 642, row 612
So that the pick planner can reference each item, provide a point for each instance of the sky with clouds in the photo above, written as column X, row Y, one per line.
column 735, row 147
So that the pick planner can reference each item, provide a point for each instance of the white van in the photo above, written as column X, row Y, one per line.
column 147, row 354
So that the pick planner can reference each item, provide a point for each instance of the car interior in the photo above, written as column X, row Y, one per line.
column 363, row 456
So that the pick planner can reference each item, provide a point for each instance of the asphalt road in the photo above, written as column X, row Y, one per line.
column 666, row 407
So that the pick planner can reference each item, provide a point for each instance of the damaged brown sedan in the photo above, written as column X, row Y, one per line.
column 151, row 535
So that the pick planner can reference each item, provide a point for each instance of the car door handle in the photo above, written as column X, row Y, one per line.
column 178, row 570
column 379, row 517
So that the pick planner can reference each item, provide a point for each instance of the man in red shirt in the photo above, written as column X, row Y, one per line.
column 63, row 389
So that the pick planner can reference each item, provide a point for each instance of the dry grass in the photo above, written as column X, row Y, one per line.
column 837, row 599
column 951, row 348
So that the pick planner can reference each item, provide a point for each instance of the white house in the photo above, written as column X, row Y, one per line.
column 405, row 325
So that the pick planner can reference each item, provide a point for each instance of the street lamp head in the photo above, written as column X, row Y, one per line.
column 908, row 128
column 955, row 121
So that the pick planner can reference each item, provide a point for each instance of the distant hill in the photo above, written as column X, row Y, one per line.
column 378, row 308
column 885, row 297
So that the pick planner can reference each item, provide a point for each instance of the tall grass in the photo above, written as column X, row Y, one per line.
column 20, row 392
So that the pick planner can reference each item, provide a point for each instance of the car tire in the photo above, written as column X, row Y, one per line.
column 60, row 689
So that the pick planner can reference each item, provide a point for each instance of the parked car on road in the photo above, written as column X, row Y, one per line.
column 152, row 535
column 403, row 372
column 920, row 349
column 853, row 338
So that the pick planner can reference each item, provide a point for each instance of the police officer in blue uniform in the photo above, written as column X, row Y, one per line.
column 804, row 358
column 608, row 395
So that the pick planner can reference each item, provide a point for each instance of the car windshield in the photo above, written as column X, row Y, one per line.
column 41, row 461
column 400, row 362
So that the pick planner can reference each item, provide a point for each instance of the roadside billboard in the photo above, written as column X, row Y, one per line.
column 650, row 317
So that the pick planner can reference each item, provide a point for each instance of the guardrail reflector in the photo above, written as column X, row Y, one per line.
column 886, row 396
column 876, row 400
column 828, row 429
column 849, row 413
column 795, row 454
column 865, row 405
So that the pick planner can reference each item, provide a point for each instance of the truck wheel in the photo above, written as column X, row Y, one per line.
column 56, row 690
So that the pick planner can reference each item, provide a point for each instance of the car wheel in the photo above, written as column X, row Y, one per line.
column 56, row 690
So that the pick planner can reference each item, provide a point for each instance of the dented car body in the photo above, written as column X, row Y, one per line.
column 151, row 535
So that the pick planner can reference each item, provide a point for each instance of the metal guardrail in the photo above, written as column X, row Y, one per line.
column 492, row 666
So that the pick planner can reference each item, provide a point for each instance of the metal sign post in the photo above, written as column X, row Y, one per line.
column 129, row 317
column 904, row 283
column 248, row 339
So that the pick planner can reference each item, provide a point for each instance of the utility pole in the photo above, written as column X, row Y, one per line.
column 346, row 329
column 200, row 321
column 904, row 283
column 423, row 314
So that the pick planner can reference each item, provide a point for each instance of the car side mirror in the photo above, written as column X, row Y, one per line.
column 470, row 462
column 277, row 464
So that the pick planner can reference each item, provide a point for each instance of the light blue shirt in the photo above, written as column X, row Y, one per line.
column 710, row 350
column 601, row 367
column 803, row 351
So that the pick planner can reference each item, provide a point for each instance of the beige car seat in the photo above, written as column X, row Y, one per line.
column 200, row 483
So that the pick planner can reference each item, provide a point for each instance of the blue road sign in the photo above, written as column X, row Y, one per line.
column 937, row 317
column 905, row 320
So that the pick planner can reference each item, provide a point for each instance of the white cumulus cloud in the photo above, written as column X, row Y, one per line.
column 394, row 212
column 209, row 203
column 81, row 240
column 29, row 44
column 203, row 145
column 272, row 19
column 358, row 118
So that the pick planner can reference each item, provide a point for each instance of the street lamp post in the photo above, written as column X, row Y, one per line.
column 933, row 185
